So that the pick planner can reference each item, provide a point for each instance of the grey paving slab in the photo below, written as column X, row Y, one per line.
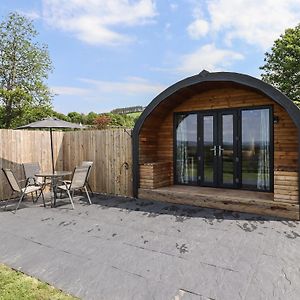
column 121, row 248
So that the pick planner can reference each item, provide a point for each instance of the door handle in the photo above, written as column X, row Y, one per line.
column 220, row 150
column 214, row 149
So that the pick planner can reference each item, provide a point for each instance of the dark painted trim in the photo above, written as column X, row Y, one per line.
column 204, row 76
column 234, row 113
column 135, row 164
column 174, row 148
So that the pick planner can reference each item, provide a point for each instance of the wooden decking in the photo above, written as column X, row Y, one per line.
column 229, row 199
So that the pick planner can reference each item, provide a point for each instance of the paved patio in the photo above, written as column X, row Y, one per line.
column 120, row 248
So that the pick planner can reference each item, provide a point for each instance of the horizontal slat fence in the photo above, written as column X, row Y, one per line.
column 110, row 150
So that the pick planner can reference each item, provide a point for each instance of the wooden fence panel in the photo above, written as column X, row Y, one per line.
column 21, row 146
column 111, row 152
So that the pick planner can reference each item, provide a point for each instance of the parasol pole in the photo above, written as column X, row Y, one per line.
column 52, row 156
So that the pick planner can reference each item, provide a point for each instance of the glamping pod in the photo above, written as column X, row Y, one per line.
column 221, row 140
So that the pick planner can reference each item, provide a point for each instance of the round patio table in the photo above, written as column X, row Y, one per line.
column 54, row 179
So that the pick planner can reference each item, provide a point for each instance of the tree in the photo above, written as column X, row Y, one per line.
column 102, row 121
column 76, row 117
column 60, row 116
column 282, row 64
column 24, row 65
column 122, row 120
column 90, row 117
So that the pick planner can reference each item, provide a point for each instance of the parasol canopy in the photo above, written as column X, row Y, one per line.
column 52, row 123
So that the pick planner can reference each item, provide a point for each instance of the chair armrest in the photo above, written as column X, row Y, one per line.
column 27, row 184
column 28, row 179
column 22, row 182
column 64, row 183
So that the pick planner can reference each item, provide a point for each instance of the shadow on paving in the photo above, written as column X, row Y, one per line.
column 10, row 205
column 180, row 211
column 151, row 209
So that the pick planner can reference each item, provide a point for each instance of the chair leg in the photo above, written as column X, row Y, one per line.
column 43, row 198
column 70, row 198
column 8, row 200
column 88, row 196
column 21, row 198
column 38, row 196
column 89, row 187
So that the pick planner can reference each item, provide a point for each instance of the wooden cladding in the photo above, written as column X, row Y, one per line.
column 286, row 188
column 156, row 135
column 154, row 175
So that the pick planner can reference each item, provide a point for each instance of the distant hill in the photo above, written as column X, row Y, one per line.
column 134, row 114
column 128, row 110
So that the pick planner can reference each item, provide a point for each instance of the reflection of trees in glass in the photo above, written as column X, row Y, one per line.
column 186, row 146
column 256, row 148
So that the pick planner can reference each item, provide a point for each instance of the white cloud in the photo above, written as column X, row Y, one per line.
column 198, row 28
column 69, row 91
column 95, row 21
column 173, row 6
column 130, row 86
column 31, row 14
column 207, row 57
column 258, row 22
column 101, row 89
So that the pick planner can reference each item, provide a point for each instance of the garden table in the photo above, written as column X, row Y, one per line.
column 53, row 176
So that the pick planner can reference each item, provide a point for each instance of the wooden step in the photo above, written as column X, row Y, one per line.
column 242, row 201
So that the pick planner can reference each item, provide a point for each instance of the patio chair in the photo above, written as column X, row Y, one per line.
column 30, row 169
column 86, row 163
column 28, row 189
column 78, row 182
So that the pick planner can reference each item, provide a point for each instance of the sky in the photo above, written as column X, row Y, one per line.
column 108, row 54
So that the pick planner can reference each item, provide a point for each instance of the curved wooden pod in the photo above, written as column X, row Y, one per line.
column 153, row 133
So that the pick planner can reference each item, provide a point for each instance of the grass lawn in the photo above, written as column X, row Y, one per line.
column 135, row 114
column 15, row 285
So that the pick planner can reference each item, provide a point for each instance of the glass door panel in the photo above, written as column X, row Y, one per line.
column 227, row 149
column 256, row 149
column 186, row 149
column 209, row 149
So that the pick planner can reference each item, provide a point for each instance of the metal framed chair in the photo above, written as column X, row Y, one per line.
column 86, row 163
column 30, row 169
column 28, row 189
column 78, row 182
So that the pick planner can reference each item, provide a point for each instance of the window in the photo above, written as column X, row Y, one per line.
column 256, row 148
